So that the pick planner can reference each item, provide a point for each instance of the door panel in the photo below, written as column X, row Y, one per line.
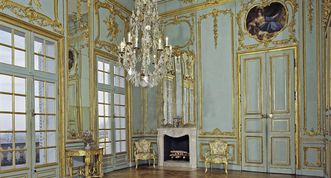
column 254, row 141
column 280, row 70
column 267, row 107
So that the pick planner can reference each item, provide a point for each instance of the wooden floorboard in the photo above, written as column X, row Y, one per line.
column 150, row 172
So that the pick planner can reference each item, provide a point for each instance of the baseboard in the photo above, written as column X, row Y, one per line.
column 317, row 173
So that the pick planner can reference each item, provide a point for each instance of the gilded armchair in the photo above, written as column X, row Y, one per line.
column 143, row 151
column 217, row 154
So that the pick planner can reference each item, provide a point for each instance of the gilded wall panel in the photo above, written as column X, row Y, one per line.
column 111, row 25
column 312, row 157
column 254, row 28
column 180, row 30
column 216, row 73
column 36, row 12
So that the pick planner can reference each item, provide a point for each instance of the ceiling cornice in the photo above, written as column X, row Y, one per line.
column 121, row 6
column 194, row 7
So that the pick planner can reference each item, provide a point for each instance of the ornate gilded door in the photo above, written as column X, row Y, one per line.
column 268, row 111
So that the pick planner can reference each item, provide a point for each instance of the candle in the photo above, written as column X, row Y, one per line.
column 136, row 43
column 129, row 37
column 170, row 48
column 167, row 42
column 160, row 44
column 122, row 46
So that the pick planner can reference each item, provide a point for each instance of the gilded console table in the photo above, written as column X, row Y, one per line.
column 89, row 171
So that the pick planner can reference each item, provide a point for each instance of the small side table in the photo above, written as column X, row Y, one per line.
column 96, row 170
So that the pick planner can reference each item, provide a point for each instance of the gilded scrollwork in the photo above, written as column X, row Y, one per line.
column 310, row 14
column 32, row 15
column 216, row 133
column 243, row 33
column 215, row 14
column 183, row 19
column 326, row 13
column 112, row 26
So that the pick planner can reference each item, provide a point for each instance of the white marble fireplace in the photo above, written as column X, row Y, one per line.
column 176, row 133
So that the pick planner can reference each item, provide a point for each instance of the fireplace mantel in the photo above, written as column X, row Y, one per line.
column 177, row 132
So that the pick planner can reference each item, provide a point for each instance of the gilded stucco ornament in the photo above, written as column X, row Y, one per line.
column 216, row 133
column 32, row 15
column 112, row 27
column 215, row 14
column 326, row 13
column 265, row 42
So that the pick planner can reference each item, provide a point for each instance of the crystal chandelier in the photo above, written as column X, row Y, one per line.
column 144, row 54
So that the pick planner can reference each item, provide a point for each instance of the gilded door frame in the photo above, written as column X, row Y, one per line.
column 297, row 89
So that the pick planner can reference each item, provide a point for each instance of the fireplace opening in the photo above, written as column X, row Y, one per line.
column 176, row 148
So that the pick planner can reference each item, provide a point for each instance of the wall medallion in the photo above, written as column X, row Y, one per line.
column 265, row 22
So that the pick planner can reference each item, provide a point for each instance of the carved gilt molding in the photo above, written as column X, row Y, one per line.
column 243, row 33
column 326, row 13
column 216, row 133
column 177, row 20
column 310, row 14
column 32, row 15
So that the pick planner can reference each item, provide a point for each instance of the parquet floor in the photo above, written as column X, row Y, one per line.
column 149, row 172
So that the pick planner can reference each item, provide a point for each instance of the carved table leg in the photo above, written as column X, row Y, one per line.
column 87, row 166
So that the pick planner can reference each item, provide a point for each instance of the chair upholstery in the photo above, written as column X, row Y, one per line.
column 218, row 154
column 143, row 151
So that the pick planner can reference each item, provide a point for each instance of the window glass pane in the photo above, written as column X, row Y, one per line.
column 117, row 123
column 50, row 65
column 6, row 122
column 108, row 135
column 107, row 123
column 100, row 65
column 107, row 97
column 20, row 139
column 101, row 110
column 100, row 97
column 51, row 123
column 40, row 156
column 108, row 148
column 39, row 105
column 50, row 105
column 107, row 79
column 123, row 146
column 19, row 85
column 39, row 62
column 20, row 156
column 7, row 159
column 118, row 147
column 51, row 155
column 19, row 104
column 5, row 83
column 101, row 123
column 50, row 89
column 40, row 139
column 117, row 135
column 38, row 88
column 100, row 77
column 20, row 122
column 123, row 125
column 19, row 58
column 38, row 45
column 107, row 68
column 116, row 81
column 50, row 49
column 19, row 39
column 123, row 134
column 5, row 103
column 6, row 140
column 51, row 139
column 107, row 110
column 5, row 55
column 5, row 35
column 122, row 82
column 102, row 136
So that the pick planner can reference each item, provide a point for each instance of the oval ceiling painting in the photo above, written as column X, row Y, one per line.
column 263, row 23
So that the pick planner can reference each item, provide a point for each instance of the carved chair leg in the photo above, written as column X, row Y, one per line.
column 149, row 162
column 136, row 163
column 154, row 162
column 206, row 166
column 226, row 168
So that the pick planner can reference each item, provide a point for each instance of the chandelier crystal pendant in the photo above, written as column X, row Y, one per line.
column 145, row 56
